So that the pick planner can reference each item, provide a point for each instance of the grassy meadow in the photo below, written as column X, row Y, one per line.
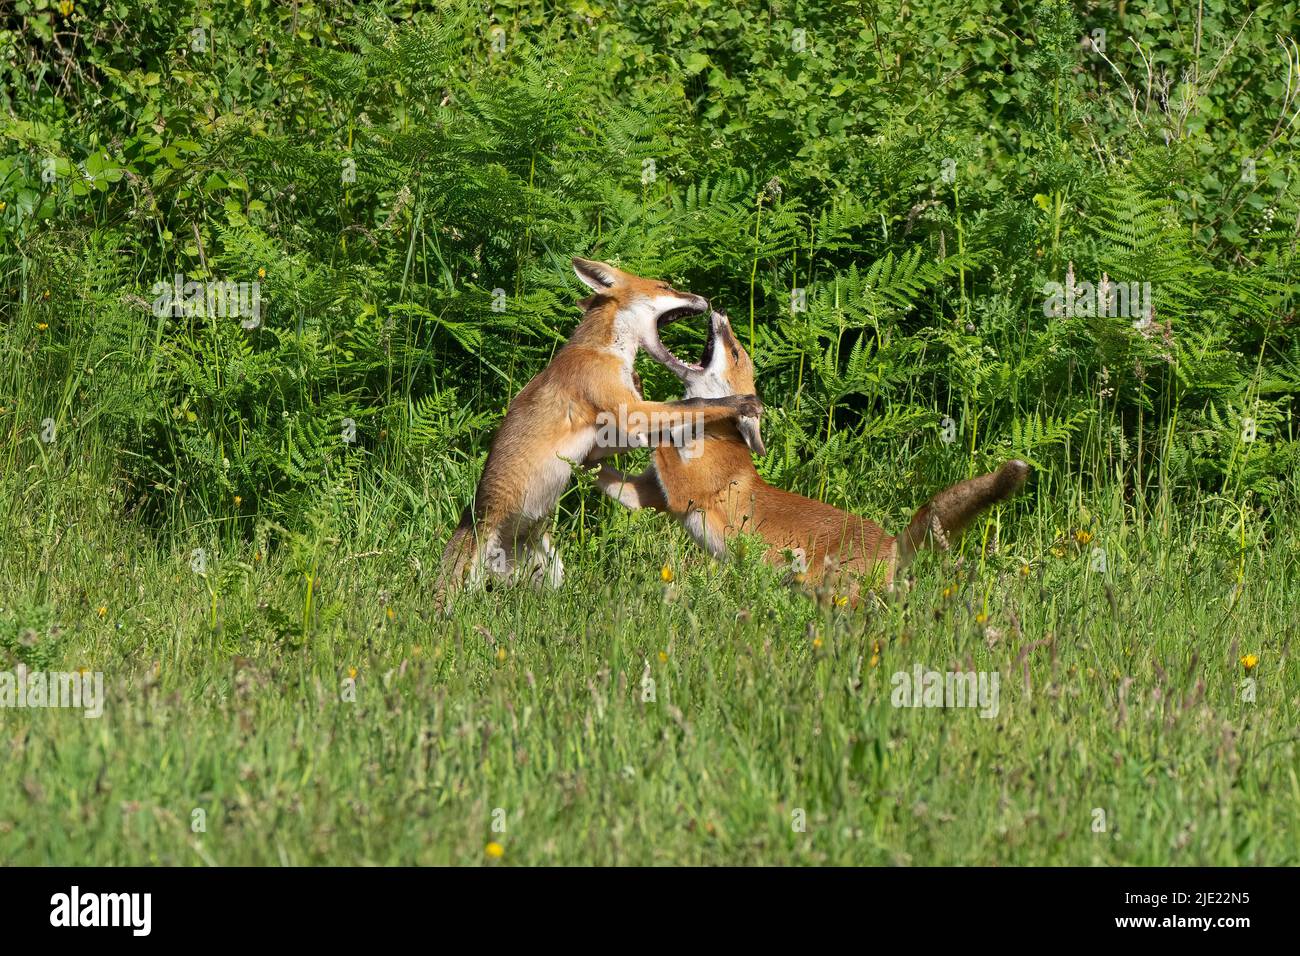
column 1119, row 691
column 238, row 523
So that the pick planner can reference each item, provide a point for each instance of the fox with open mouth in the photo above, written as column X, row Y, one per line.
column 563, row 414
column 715, row 493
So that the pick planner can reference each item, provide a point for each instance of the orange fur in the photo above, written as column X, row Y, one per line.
column 716, row 493
column 556, row 419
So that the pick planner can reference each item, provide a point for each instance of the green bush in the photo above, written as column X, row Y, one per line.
column 880, row 196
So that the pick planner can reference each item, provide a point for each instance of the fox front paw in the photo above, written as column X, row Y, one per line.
column 748, row 406
column 748, row 428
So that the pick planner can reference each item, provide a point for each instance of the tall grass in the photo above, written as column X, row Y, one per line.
column 1120, row 691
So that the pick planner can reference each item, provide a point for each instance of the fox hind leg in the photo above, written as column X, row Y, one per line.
column 493, row 560
column 632, row 491
column 483, row 558
column 540, row 562
column 471, row 556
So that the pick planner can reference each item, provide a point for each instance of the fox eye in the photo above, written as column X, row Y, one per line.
column 735, row 354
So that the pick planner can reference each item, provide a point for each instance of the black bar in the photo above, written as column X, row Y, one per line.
column 333, row 906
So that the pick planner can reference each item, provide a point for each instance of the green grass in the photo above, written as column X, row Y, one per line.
column 765, row 704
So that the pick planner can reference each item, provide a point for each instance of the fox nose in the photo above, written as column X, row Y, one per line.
column 721, row 325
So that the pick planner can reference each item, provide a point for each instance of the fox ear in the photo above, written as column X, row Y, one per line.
column 595, row 275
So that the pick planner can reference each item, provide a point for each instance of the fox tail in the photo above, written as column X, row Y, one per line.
column 941, row 521
column 458, row 556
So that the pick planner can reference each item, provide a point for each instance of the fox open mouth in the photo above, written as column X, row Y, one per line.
column 665, row 356
column 683, row 369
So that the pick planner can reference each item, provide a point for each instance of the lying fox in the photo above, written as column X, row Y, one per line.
column 716, row 493
column 567, row 413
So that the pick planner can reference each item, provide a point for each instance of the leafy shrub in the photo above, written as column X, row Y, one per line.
column 880, row 200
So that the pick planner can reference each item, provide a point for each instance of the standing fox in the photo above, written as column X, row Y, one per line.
column 586, row 404
column 716, row 493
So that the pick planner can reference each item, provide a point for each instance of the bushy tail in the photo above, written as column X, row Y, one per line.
column 458, row 555
column 942, row 520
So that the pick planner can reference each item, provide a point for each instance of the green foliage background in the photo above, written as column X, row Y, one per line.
column 714, row 144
